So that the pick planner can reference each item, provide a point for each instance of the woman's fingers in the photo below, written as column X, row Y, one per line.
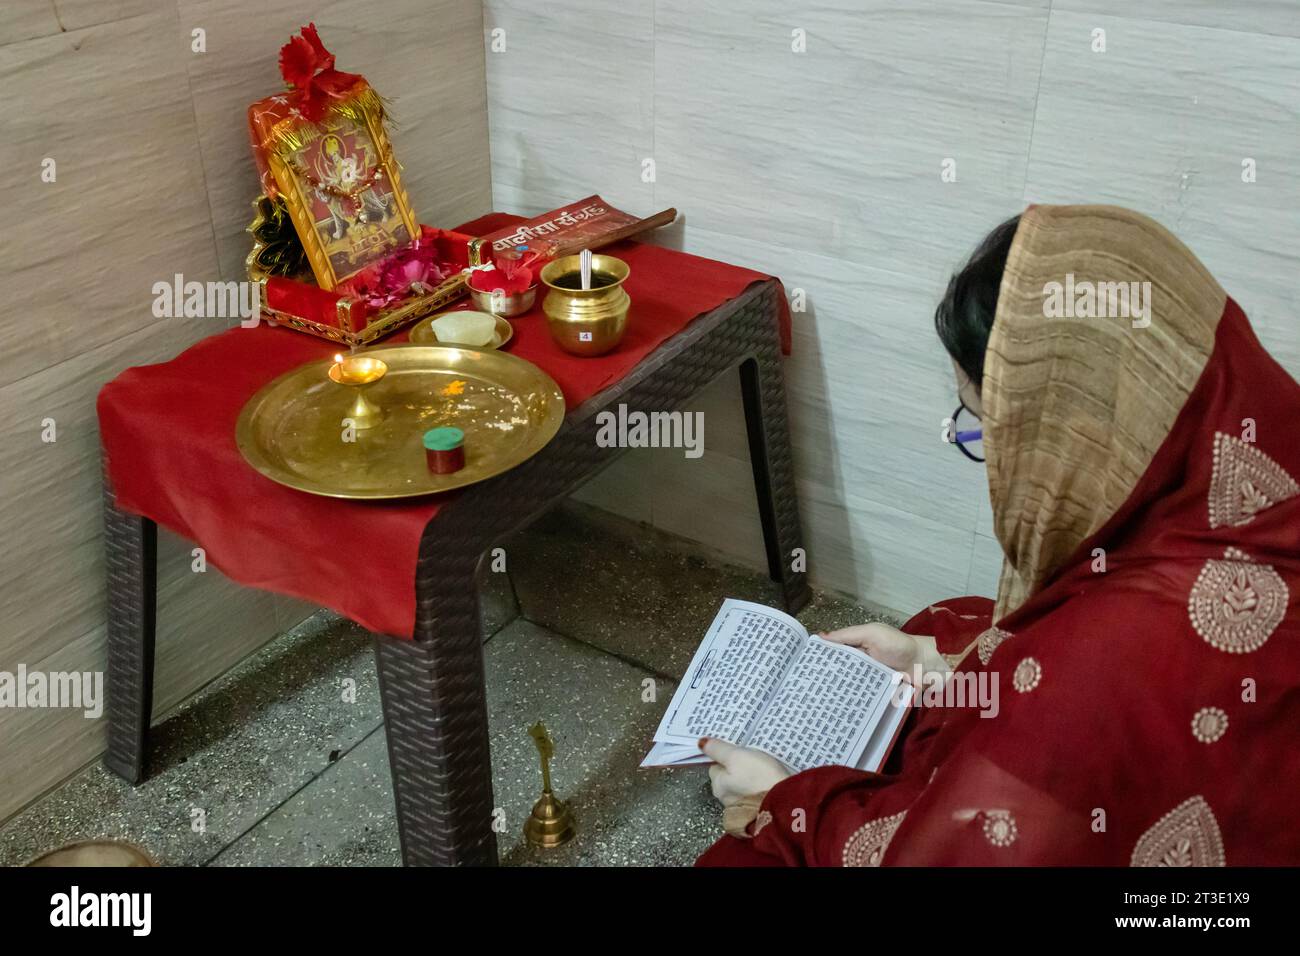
column 860, row 635
column 739, row 772
column 720, row 775
column 719, row 751
column 886, row 644
column 723, row 784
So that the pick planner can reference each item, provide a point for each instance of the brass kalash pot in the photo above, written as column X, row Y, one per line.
column 586, row 321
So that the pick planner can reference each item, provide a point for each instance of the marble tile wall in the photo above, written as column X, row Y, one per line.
column 823, row 167
column 154, row 177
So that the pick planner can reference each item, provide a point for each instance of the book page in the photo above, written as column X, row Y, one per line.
column 733, row 675
column 674, row 755
column 827, row 707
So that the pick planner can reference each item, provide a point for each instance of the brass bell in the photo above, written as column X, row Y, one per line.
column 551, row 822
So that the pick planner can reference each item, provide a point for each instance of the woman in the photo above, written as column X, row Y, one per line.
column 1142, row 470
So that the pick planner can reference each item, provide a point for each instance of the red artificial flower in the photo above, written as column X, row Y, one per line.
column 307, row 66
column 303, row 57
column 312, row 37
column 519, row 279
column 412, row 269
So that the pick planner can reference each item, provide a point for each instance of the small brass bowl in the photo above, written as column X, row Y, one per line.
column 359, row 373
column 422, row 333
column 586, row 321
column 358, row 370
column 503, row 304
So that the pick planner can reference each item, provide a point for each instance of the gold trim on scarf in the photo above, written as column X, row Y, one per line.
column 1075, row 407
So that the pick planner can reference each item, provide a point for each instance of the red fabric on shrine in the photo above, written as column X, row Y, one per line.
column 168, row 433
column 309, row 301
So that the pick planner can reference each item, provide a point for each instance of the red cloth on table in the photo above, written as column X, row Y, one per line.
column 168, row 432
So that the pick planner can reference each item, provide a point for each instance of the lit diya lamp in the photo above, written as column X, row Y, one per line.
column 360, row 372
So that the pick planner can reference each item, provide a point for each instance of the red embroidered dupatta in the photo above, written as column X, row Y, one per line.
column 1147, row 638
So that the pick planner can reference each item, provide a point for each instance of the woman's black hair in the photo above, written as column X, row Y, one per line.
column 964, row 317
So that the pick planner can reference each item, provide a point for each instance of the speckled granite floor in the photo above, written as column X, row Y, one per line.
column 279, row 763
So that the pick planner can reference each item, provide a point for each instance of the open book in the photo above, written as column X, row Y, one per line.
column 759, row 680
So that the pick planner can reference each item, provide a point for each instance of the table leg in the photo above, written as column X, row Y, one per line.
column 762, row 384
column 435, row 718
column 131, row 562
column 434, row 699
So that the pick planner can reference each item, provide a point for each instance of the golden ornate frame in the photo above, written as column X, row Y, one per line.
column 299, row 206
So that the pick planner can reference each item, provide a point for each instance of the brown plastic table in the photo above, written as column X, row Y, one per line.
column 435, row 710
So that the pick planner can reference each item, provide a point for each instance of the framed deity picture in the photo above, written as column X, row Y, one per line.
column 340, row 183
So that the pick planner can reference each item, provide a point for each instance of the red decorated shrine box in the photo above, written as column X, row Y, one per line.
column 336, row 245
column 350, row 319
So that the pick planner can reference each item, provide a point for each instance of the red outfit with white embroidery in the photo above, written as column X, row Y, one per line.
column 1147, row 638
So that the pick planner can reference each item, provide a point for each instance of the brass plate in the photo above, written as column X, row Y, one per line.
column 422, row 332
column 292, row 431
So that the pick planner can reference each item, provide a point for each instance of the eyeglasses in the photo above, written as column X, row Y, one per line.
column 969, row 441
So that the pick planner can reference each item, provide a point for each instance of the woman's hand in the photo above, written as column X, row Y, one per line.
column 893, row 648
column 740, row 772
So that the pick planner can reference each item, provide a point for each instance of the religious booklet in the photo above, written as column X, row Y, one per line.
column 589, row 223
column 760, row 680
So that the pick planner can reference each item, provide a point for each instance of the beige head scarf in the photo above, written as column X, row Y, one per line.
column 1076, row 405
